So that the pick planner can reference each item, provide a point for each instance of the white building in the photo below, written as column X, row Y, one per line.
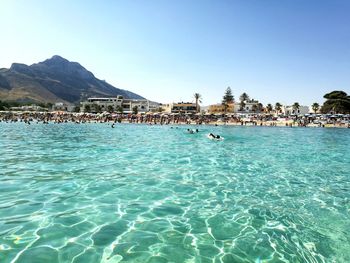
column 154, row 106
column 60, row 106
column 142, row 105
column 167, row 107
column 103, row 104
column 313, row 112
column 32, row 107
column 289, row 110
column 116, row 104
column 180, row 107
column 249, row 107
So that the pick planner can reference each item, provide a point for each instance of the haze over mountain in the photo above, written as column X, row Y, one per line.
column 54, row 80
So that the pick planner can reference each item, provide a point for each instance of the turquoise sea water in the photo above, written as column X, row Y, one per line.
column 137, row 193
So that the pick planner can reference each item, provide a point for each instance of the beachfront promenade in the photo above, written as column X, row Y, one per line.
column 325, row 121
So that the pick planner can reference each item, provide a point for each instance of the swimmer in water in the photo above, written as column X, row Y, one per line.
column 212, row 135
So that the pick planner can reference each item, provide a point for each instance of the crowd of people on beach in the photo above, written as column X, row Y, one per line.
column 310, row 120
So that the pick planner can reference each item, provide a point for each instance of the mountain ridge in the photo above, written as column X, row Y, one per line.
column 55, row 80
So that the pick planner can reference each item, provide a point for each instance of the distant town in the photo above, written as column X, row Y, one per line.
column 337, row 102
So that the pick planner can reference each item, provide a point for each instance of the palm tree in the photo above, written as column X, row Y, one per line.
column 278, row 107
column 119, row 109
column 87, row 108
column 97, row 108
column 135, row 110
column 76, row 109
column 315, row 107
column 296, row 107
column 198, row 98
column 269, row 108
column 260, row 107
column 110, row 108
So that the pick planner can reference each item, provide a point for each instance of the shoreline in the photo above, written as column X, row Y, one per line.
column 228, row 124
column 173, row 120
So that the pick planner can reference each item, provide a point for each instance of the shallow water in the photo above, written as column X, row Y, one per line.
column 137, row 193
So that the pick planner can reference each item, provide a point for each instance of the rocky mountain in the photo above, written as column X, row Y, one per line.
column 54, row 80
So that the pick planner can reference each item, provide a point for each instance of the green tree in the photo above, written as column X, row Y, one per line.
column 110, row 108
column 243, row 99
column 41, row 104
column 87, row 108
column 198, row 98
column 97, row 108
column 254, row 107
column 2, row 106
column 76, row 109
column 278, row 107
column 260, row 107
column 336, row 102
column 296, row 107
column 241, row 105
column 119, row 109
column 6, row 105
column 48, row 105
column 269, row 108
column 135, row 110
column 228, row 98
column 315, row 107
column 225, row 105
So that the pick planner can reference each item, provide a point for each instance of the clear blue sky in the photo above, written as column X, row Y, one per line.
column 275, row 50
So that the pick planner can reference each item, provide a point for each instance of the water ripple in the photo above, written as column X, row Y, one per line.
column 89, row 193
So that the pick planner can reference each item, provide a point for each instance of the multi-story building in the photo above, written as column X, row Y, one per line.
column 61, row 106
column 32, row 107
column 251, row 106
column 166, row 108
column 101, row 104
column 220, row 109
column 289, row 110
column 248, row 107
column 183, row 107
column 180, row 107
column 154, row 106
column 142, row 105
column 118, row 104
